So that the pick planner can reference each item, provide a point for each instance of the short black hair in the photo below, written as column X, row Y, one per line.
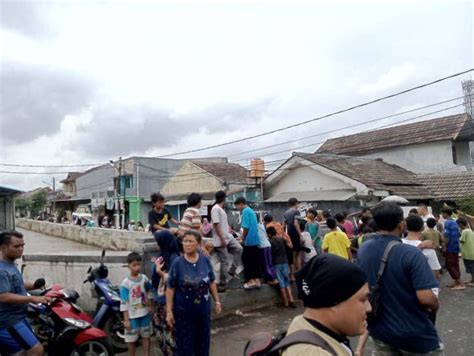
column 447, row 210
column 331, row 223
column 292, row 201
column 312, row 211
column 196, row 234
column 220, row 196
column 194, row 199
column 267, row 218
column 387, row 215
column 340, row 217
column 271, row 231
column 462, row 221
column 414, row 223
column 240, row 200
column 431, row 222
column 327, row 214
column 6, row 236
column 156, row 197
column 134, row 257
column 365, row 219
column 413, row 211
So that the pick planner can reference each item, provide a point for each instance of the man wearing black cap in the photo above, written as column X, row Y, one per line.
column 335, row 294
column 402, row 325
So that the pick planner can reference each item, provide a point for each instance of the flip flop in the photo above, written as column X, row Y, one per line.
column 458, row 288
column 470, row 284
column 249, row 286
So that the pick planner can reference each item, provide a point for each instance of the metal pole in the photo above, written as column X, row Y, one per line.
column 138, row 193
column 54, row 199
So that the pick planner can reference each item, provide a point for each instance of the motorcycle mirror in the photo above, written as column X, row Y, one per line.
column 89, row 269
column 39, row 283
column 102, row 257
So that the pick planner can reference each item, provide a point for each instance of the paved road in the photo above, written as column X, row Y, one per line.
column 455, row 325
column 37, row 243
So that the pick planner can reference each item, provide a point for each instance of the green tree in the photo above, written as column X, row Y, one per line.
column 38, row 201
column 466, row 205
column 23, row 205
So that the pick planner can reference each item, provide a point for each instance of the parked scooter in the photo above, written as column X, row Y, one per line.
column 63, row 328
column 107, row 316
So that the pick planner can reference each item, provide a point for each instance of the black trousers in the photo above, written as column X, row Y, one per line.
column 251, row 262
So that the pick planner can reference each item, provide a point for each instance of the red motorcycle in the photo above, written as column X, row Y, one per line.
column 64, row 328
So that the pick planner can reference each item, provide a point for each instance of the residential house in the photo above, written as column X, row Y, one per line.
column 134, row 179
column 206, row 178
column 449, row 187
column 438, row 145
column 339, row 183
column 7, row 208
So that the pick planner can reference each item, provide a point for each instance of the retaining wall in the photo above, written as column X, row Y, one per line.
column 110, row 239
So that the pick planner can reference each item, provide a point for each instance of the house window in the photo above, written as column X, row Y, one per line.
column 455, row 155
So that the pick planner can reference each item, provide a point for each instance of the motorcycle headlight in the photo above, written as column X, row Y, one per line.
column 81, row 324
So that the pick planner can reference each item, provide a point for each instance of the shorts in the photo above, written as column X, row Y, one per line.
column 140, row 327
column 19, row 337
column 469, row 265
column 295, row 240
column 283, row 275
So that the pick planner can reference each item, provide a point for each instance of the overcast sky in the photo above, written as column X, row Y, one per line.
column 85, row 81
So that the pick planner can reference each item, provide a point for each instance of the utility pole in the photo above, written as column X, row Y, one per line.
column 117, row 190
column 54, row 199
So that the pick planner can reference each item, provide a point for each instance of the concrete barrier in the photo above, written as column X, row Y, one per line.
column 70, row 270
column 110, row 239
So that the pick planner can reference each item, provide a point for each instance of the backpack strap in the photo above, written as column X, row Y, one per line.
column 304, row 337
column 384, row 260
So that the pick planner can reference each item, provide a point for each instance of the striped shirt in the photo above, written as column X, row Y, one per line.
column 191, row 220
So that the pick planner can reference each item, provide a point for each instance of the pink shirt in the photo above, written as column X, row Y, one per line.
column 349, row 227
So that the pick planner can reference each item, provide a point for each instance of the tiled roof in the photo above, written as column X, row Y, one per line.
column 459, row 126
column 227, row 172
column 71, row 177
column 374, row 173
column 450, row 186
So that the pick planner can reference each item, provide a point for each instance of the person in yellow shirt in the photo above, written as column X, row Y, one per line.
column 336, row 242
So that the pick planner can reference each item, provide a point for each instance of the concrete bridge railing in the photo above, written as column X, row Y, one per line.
column 110, row 239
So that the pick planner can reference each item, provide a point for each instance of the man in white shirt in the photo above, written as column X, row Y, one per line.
column 223, row 241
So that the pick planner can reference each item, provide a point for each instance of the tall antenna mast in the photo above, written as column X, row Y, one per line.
column 468, row 89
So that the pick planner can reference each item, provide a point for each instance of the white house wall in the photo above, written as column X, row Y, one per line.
column 431, row 157
column 303, row 179
column 190, row 178
column 463, row 153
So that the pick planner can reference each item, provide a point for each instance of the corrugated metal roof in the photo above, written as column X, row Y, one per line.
column 9, row 191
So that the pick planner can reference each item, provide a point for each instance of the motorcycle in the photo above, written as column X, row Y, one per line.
column 108, row 316
column 64, row 328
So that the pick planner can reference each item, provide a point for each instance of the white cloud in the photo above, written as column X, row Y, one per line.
column 393, row 78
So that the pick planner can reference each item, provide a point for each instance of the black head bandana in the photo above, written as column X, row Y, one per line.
column 327, row 280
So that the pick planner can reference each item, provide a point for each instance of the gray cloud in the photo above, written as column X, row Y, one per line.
column 116, row 129
column 35, row 99
column 29, row 18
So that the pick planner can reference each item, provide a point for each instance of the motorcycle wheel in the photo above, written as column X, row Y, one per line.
column 93, row 348
column 112, row 325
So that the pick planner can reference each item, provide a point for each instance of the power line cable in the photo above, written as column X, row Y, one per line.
column 321, row 117
column 345, row 127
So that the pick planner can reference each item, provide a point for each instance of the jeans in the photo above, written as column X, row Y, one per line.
column 234, row 250
column 383, row 349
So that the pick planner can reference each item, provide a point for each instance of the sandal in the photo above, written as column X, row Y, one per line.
column 249, row 286
column 458, row 288
column 470, row 284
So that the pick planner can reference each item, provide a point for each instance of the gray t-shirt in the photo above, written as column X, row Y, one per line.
column 218, row 215
column 11, row 281
column 290, row 216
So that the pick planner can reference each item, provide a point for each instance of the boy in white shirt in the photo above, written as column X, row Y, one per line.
column 307, row 245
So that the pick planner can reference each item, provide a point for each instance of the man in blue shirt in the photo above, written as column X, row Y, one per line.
column 15, row 331
column 452, row 234
column 250, row 254
column 408, row 290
